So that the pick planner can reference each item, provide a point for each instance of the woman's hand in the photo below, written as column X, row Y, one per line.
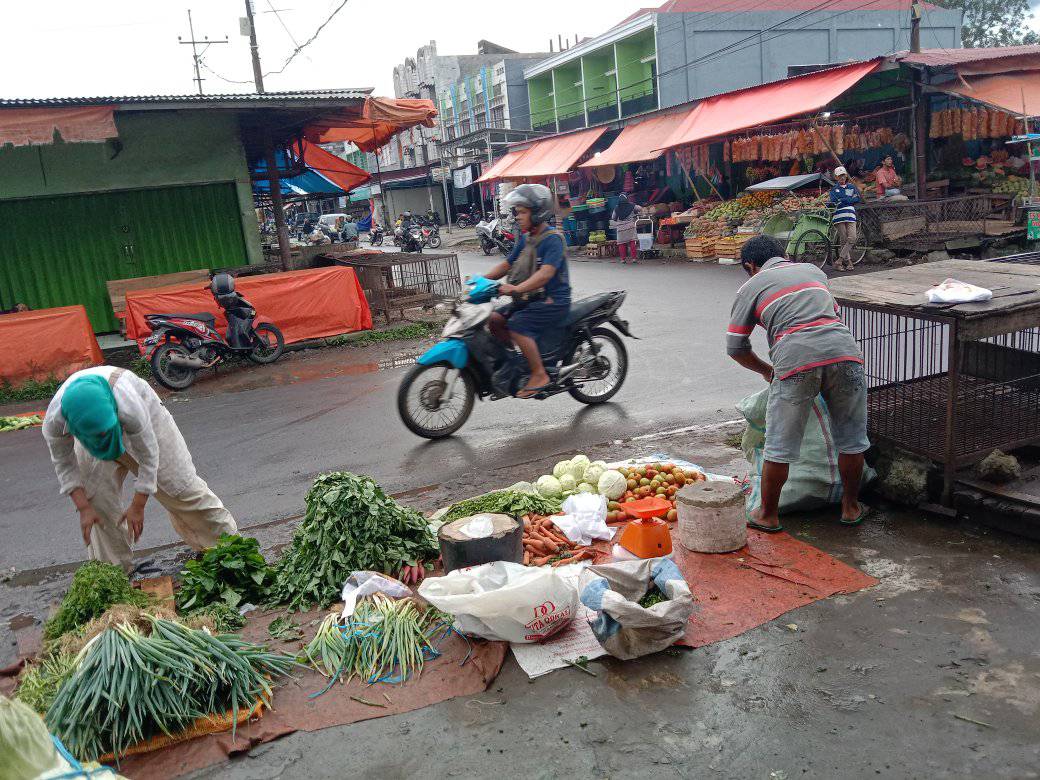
column 134, row 516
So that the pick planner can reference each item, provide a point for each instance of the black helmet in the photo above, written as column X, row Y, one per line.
column 222, row 284
column 536, row 197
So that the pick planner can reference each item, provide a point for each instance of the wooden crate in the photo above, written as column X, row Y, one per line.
column 700, row 248
column 731, row 245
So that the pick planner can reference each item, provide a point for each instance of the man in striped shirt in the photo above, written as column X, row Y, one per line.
column 812, row 352
column 843, row 197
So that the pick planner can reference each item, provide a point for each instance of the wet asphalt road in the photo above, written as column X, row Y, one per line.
column 259, row 435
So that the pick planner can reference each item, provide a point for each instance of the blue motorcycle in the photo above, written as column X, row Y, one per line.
column 582, row 358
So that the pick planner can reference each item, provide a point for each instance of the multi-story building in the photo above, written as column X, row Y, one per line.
column 689, row 49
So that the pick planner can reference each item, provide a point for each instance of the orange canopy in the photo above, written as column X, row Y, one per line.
column 75, row 124
column 734, row 111
column 309, row 304
column 48, row 342
column 639, row 142
column 1011, row 92
column 379, row 121
column 548, row 157
column 337, row 170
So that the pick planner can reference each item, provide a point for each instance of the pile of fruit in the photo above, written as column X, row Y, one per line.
column 655, row 479
column 1012, row 185
column 799, row 203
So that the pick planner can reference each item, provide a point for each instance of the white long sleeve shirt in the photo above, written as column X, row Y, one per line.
column 139, row 410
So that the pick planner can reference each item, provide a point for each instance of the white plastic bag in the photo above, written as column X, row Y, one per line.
column 504, row 600
column 364, row 583
column 953, row 291
column 585, row 518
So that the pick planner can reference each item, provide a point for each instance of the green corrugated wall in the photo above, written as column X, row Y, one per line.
column 61, row 250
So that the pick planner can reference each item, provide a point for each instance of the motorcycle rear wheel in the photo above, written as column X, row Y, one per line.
column 418, row 410
column 266, row 351
column 377, row 241
column 487, row 247
column 435, row 241
column 170, row 376
column 611, row 366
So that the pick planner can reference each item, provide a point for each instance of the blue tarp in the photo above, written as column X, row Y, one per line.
column 310, row 182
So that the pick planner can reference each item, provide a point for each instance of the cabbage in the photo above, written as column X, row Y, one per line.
column 594, row 472
column 561, row 468
column 577, row 470
column 568, row 482
column 612, row 484
column 548, row 486
column 585, row 487
column 582, row 459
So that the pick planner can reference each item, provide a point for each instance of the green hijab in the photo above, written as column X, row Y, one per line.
column 90, row 411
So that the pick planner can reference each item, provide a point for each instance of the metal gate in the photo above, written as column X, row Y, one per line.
column 59, row 251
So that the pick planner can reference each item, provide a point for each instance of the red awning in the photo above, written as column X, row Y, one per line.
column 762, row 105
column 547, row 157
column 337, row 170
column 380, row 120
column 1011, row 92
column 75, row 124
column 639, row 142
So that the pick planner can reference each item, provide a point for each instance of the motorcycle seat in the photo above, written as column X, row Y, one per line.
column 203, row 316
column 583, row 308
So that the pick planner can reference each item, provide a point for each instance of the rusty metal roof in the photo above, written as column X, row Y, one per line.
column 938, row 58
column 305, row 96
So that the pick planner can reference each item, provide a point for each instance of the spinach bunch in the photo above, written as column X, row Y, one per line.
column 507, row 502
column 232, row 572
column 350, row 525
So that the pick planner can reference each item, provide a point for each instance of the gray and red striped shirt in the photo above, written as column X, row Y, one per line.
column 794, row 305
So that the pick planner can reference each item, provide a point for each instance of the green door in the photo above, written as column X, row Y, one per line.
column 61, row 251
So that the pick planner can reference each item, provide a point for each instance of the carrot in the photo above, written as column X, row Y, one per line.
column 527, row 558
column 540, row 561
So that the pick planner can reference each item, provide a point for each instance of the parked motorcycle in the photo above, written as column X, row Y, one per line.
column 431, row 236
column 375, row 235
column 465, row 219
column 582, row 358
column 494, row 236
column 180, row 345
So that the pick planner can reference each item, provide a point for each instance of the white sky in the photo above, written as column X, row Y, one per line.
column 60, row 48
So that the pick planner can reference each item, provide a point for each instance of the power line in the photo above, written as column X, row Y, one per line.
column 309, row 41
column 284, row 25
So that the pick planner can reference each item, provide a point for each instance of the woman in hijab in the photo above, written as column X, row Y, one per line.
column 106, row 422
column 623, row 220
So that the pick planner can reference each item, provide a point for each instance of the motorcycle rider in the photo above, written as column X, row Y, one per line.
column 537, row 278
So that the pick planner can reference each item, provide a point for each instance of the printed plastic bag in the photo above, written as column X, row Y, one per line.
column 624, row 628
column 953, row 291
column 504, row 600
column 813, row 482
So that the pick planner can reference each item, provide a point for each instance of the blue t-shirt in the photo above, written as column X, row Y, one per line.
column 550, row 252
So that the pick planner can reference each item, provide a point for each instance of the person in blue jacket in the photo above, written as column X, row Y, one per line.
column 843, row 197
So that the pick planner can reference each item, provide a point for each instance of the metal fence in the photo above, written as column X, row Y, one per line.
column 948, row 399
column 396, row 281
column 887, row 222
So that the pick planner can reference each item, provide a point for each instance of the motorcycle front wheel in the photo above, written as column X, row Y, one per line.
column 270, row 344
column 377, row 241
column 168, row 375
column 601, row 374
column 435, row 241
column 421, row 403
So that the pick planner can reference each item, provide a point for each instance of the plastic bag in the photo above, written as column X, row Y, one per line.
column 584, row 518
column 504, row 600
column 364, row 583
column 813, row 482
column 953, row 291
column 624, row 628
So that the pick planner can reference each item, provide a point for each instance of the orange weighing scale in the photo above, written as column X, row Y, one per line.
column 647, row 536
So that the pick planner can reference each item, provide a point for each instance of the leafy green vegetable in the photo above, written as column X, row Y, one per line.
column 26, row 749
column 284, row 629
column 95, row 587
column 39, row 683
column 129, row 686
column 350, row 525
column 506, row 502
column 225, row 619
column 653, row 596
column 233, row 571
column 18, row 423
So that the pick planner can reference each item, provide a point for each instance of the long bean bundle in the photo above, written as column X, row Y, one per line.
column 385, row 640
column 129, row 686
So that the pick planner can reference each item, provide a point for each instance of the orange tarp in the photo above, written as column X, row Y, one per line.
column 75, row 124
column 335, row 169
column 379, row 121
column 1011, row 92
column 304, row 305
column 735, row 111
column 47, row 342
column 639, row 142
column 547, row 157
column 498, row 170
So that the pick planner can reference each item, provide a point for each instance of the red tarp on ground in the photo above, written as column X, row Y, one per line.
column 75, row 124
column 39, row 344
column 304, row 305
column 379, row 121
column 762, row 105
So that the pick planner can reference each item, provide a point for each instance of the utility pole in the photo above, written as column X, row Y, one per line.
column 920, row 116
column 270, row 158
column 195, row 56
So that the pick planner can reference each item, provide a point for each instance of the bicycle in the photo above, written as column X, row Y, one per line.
column 814, row 239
